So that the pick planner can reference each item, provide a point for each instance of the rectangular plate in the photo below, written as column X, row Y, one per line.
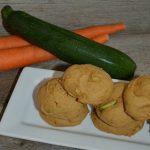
column 22, row 120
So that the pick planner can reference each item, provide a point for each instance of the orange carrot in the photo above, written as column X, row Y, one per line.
column 101, row 38
column 93, row 31
column 18, row 57
column 22, row 56
column 15, row 52
column 89, row 32
column 16, row 41
column 12, row 41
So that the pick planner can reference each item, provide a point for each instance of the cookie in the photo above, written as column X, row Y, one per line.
column 58, row 121
column 54, row 102
column 137, row 98
column 114, row 115
column 127, row 130
column 88, row 83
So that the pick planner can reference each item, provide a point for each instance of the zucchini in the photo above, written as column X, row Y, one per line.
column 66, row 45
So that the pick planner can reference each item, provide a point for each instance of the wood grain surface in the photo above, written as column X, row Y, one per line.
column 71, row 14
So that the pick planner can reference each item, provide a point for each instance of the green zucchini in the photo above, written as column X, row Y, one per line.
column 66, row 45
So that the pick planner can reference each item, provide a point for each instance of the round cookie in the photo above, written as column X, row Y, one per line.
column 127, row 130
column 70, row 114
column 137, row 98
column 64, row 122
column 114, row 115
column 54, row 102
column 88, row 83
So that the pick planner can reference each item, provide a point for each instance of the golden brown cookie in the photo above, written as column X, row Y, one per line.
column 64, row 122
column 137, row 98
column 88, row 83
column 113, row 112
column 54, row 102
column 70, row 114
column 127, row 130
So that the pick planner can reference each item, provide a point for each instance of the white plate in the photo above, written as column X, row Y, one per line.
column 21, row 120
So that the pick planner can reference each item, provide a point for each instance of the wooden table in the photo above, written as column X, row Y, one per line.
column 135, row 41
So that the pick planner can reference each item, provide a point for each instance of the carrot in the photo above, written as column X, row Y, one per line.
column 18, row 57
column 22, row 56
column 89, row 32
column 12, row 41
column 101, row 38
column 15, row 41
column 93, row 31
column 15, row 52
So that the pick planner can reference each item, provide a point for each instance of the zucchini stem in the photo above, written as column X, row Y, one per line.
column 6, row 11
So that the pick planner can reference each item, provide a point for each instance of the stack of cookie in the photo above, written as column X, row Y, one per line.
column 63, row 101
column 58, row 108
column 128, row 109
column 112, row 118
column 118, row 108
